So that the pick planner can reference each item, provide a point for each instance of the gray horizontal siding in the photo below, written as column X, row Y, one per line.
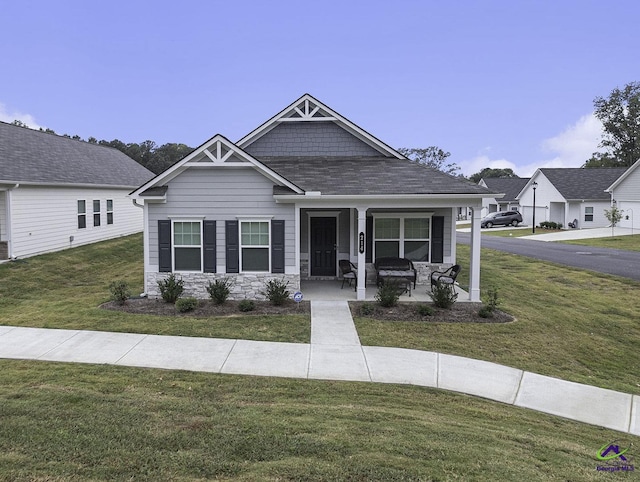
column 309, row 139
column 220, row 195
column 629, row 188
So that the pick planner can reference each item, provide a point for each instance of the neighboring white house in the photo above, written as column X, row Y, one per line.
column 57, row 192
column 511, row 187
column 625, row 191
column 563, row 195
column 292, row 198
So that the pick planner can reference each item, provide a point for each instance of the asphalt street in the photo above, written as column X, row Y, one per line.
column 602, row 260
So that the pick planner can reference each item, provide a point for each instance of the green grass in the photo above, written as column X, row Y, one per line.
column 89, row 422
column 627, row 243
column 571, row 324
column 65, row 289
column 506, row 233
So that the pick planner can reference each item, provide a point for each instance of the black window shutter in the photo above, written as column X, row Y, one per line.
column 369, row 256
column 232, row 246
column 277, row 246
column 164, row 245
column 437, row 239
column 209, row 245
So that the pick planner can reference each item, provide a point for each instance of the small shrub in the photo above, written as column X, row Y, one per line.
column 388, row 294
column 171, row 288
column 485, row 312
column 219, row 290
column 424, row 310
column 366, row 309
column 246, row 305
column 120, row 292
column 276, row 291
column 186, row 304
column 443, row 295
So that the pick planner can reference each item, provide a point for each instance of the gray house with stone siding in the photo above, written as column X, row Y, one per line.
column 292, row 198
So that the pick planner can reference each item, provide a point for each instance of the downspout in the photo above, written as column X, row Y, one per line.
column 9, row 231
column 145, row 243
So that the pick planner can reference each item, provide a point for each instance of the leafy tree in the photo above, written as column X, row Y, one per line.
column 490, row 172
column 620, row 117
column 19, row 123
column 613, row 215
column 433, row 157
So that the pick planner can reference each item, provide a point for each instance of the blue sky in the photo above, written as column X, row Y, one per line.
column 496, row 83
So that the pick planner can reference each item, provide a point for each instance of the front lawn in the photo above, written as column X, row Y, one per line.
column 627, row 243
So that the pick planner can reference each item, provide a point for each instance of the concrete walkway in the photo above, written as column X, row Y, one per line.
column 330, row 357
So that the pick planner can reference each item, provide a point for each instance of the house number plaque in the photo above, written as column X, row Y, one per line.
column 361, row 242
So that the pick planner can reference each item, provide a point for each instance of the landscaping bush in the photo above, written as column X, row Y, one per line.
column 276, row 291
column 366, row 309
column 388, row 294
column 424, row 310
column 219, row 290
column 443, row 295
column 186, row 304
column 246, row 305
column 120, row 292
column 171, row 288
column 550, row 225
column 486, row 311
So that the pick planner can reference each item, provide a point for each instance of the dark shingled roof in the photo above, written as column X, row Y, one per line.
column 366, row 176
column 510, row 186
column 579, row 183
column 30, row 156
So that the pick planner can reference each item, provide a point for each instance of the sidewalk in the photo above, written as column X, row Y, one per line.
column 335, row 353
column 564, row 235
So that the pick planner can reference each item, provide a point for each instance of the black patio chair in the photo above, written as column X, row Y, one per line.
column 349, row 272
column 447, row 277
column 574, row 224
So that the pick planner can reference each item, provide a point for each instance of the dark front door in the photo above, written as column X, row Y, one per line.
column 323, row 246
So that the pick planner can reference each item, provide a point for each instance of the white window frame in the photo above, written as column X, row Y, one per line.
column 82, row 213
column 174, row 245
column 401, row 240
column 93, row 207
column 109, row 211
column 588, row 214
column 257, row 219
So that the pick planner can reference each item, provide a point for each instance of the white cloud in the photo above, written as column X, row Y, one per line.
column 478, row 163
column 10, row 116
column 572, row 147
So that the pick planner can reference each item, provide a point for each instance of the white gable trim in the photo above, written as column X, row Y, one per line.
column 309, row 109
column 217, row 151
column 625, row 174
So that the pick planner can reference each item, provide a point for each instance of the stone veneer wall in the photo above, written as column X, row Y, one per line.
column 246, row 285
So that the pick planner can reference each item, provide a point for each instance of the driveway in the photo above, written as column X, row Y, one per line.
column 602, row 260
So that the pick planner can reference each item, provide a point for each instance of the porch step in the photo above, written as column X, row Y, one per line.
column 332, row 324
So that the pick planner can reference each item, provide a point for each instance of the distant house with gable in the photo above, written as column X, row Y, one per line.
column 57, row 192
column 510, row 186
column 625, row 192
column 563, row 195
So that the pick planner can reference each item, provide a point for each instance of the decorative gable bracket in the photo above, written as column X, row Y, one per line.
column 307, row 111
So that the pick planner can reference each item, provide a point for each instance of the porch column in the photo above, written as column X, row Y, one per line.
column 362, row 247
column 474, row 268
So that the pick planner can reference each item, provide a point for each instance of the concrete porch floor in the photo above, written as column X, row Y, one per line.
column 329, row 290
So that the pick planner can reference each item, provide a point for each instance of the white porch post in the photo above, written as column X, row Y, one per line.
column 474, row 269
column 362, row 238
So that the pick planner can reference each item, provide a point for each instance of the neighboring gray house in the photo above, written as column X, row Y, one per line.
column 293, row 197
column 625, row 192
column 57, row 192
column 511, row 187
column 567, row 194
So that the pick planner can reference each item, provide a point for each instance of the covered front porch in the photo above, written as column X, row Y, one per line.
column 422, row 232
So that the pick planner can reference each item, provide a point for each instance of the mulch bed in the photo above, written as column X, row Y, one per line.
column 459, row 312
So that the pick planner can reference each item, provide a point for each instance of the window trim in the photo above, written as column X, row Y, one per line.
column 96, row 213
column 401, row 240
column 81, row 214
column 109, row 212
column 174, row 245
column 241, row 246
column 588, row 214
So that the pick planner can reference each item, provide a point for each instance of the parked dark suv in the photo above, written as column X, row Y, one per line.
column 501, row 218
